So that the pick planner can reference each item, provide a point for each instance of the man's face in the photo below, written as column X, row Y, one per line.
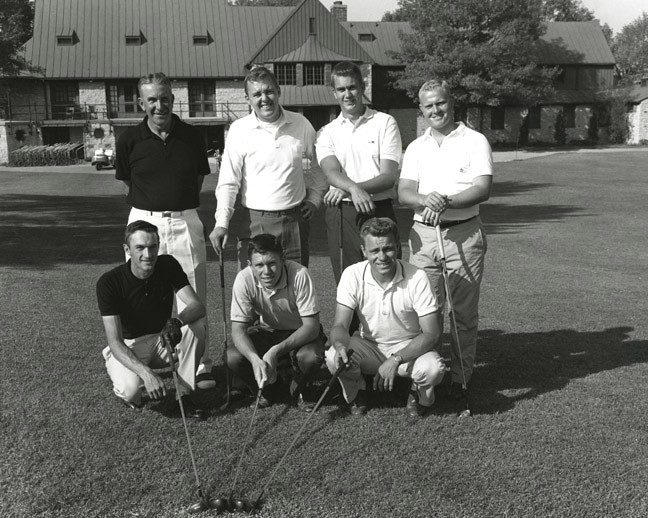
column 348, row 93
column 438, row 109
column 267, row 268
column 382, row 253
column 263, row 97
column 157, row 101
column 142, row 248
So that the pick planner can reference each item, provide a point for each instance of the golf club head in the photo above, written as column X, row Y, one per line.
column 465, row 413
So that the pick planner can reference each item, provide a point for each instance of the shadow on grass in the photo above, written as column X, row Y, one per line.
column 519, row 366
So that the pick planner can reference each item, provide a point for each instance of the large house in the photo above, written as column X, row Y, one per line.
column 90, row 54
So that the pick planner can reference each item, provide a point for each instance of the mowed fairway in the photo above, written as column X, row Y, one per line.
column 559, row 392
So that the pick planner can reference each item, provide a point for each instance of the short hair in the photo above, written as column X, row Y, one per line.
column 137, row 226
column 264, row 244
column 257, row 74
column 434, row 84
column 347, row 69
column 157, row 78
column 380, row 227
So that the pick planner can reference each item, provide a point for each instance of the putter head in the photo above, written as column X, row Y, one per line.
column 465, row 413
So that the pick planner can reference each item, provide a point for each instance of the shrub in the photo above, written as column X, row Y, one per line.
column 592, row 128
column 560, row 133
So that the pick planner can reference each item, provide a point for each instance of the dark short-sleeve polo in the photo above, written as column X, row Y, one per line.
column 163, row 173
column 143, row 305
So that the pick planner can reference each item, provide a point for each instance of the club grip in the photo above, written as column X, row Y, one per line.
column 339, row 369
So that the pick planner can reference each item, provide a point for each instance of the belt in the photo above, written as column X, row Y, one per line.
column 286, row 212
column 448, row 224
column 378, row 203
column 166, row 213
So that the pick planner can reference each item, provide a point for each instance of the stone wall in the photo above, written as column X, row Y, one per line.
column 638, row 123
column 16, row 134
column 232, row 96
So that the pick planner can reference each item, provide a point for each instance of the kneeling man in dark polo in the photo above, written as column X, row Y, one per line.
column 275, row 319
column 135, row 301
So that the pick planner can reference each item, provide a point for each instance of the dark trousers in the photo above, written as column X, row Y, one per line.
column 352, row 221
column 304, row 362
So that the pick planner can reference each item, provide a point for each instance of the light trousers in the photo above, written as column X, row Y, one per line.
column 426, row 371
column 465, row 248
column 150, row 351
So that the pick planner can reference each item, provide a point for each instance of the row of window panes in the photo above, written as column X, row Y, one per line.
column 533, row 117
column 313, row 74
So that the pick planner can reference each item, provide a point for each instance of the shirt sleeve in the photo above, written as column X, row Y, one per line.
column 481, row 157
column 203, row 161
column 324, row 144
column 409, row 169
column 241, row 309
column 177, row 276
column 107, row 296
column 424, row 301
column 122, row 159
column 314, row 178
column 305, row 297
column 347, row 291
column 391, row 146
column 229, row 178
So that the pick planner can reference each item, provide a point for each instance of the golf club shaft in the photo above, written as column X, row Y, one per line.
column 221, row 265
column 310, row 415
column 247, row 437
column 184, row 418
column 341, row 238
column 453, row 318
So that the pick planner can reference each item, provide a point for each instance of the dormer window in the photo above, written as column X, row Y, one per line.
column 201, row 39
column 312, row 26
column 134, row 39
column 367, row 36
column 67, row 39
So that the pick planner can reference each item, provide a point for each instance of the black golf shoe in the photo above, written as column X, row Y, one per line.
column 413, row 408
column 358, row 406
column 191, row 409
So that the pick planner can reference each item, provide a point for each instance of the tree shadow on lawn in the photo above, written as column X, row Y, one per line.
column 513, row 367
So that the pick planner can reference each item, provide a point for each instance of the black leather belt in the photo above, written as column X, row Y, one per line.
column 448, row 224
column 166, row 213
column 379, row 203
column 286, row 212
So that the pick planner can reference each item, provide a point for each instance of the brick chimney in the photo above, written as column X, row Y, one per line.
column 339, row 11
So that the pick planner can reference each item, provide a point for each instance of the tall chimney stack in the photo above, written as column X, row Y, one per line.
column 339, row 11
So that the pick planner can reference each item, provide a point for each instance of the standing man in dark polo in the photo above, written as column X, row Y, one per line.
column 163, row 162
column 359, row 152
column 264, row 159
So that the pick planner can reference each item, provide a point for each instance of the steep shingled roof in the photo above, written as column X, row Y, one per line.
column 571, row 43
column 387, row 38
column 167, row 27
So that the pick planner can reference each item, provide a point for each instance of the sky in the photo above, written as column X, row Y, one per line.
column 616, row 13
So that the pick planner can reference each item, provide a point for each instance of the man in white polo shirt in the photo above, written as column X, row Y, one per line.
column 446, row 174
column 360, row 153
column 279, row 294
column 399, row 324
column 264, row 159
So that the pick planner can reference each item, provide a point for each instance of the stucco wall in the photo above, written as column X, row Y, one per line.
column 638, row 123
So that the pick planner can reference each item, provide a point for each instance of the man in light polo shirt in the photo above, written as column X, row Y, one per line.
column 360, row 153
column 446, row 174
column 163, row 162
column 399, row 324
column 279, row 294
column 264, row 159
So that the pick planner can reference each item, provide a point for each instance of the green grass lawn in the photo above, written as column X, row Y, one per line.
column 558, row 394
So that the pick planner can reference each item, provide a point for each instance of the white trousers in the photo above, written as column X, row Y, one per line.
column 150, row 351
column 426, row 371
column 182, row 236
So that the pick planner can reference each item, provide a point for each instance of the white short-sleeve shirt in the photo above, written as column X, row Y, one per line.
column 391, row 315
column 360, row 146
column 449, row 168
column 280, row 308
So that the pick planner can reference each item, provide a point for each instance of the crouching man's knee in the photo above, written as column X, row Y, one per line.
column 428, row 369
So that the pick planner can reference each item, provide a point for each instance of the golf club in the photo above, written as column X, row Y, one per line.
column 203, row 503
column 294, row 441
column 453, row 319
column 228, row 381
column 341, row 238
column 245, row 443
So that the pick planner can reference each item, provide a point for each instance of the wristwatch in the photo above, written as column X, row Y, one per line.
column 398, row 358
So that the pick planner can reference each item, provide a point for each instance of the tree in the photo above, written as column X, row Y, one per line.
column 483, row 48
column 16, row 17
column 565, row 11
column 630, row 49
column 560, row 132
